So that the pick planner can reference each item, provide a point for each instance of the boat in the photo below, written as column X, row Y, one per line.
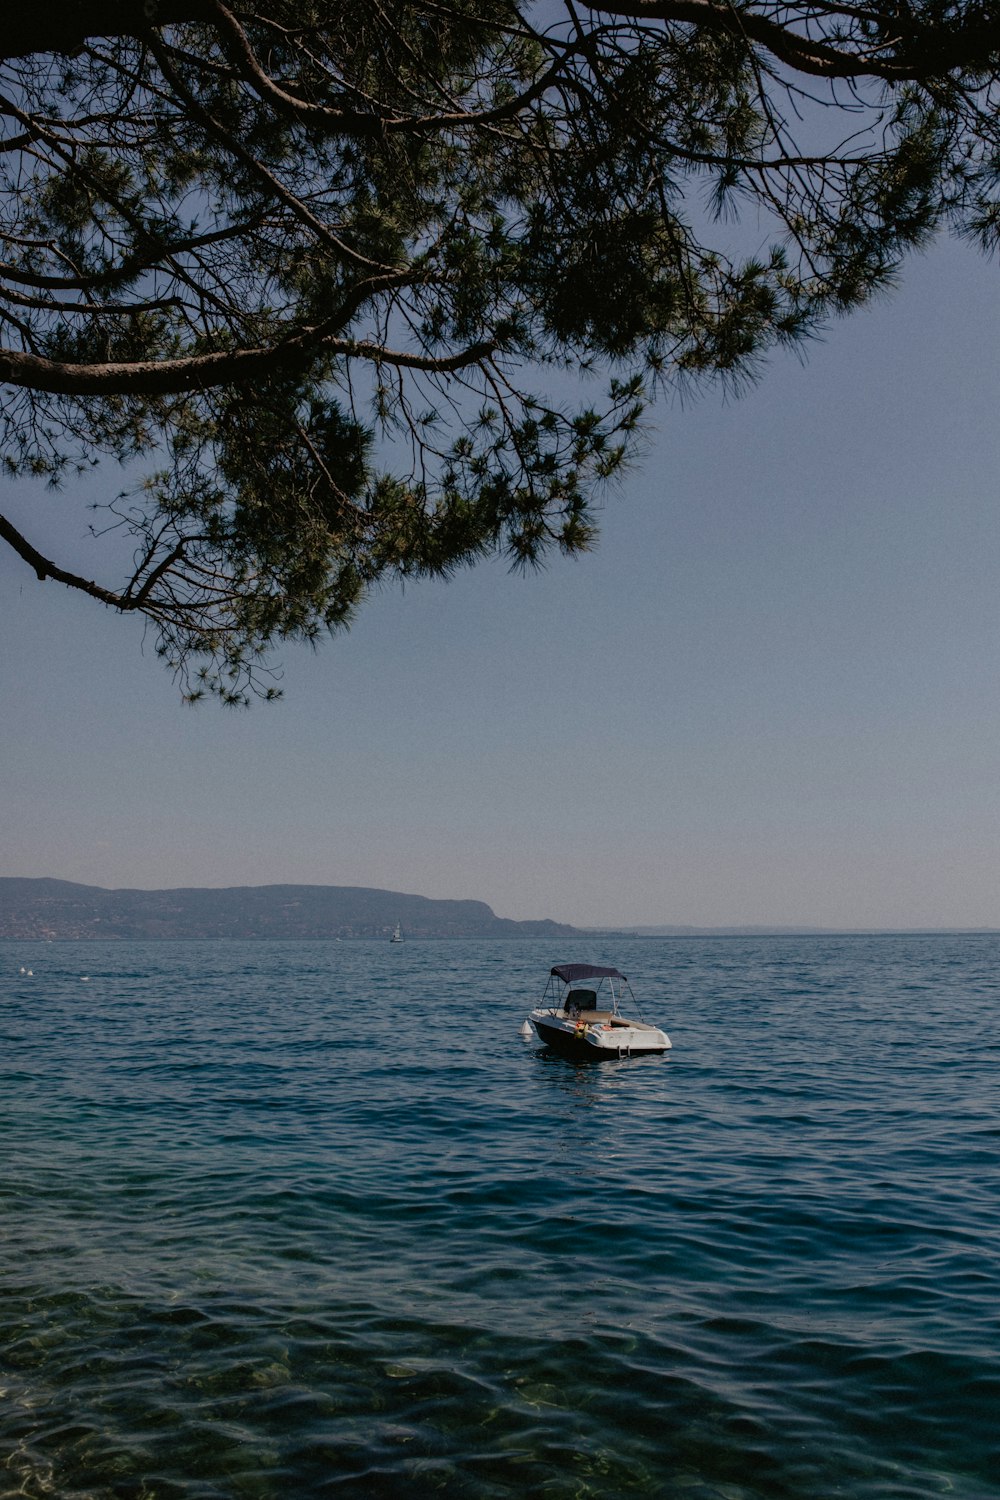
column 397, row 936
column 580, row 1015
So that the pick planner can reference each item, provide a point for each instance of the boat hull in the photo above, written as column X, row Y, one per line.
column 597, row 1042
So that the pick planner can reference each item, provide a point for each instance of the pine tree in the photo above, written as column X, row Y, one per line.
column 368, row 292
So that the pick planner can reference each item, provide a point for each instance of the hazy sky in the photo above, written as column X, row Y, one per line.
column 772, row 695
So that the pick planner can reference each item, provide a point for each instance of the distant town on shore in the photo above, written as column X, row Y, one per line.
column 64, row 910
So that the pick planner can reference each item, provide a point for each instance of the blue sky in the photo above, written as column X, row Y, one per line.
column 772, row 695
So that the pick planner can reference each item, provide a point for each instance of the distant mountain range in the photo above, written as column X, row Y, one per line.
column 61, row 909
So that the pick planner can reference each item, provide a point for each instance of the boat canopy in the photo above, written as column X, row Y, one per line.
column 571, row 973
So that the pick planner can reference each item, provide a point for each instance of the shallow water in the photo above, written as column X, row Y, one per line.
column 312, row 1219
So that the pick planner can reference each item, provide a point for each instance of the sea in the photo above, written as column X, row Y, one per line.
column 295, row 1220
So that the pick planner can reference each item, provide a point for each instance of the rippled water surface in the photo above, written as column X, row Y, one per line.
column 307, row 1220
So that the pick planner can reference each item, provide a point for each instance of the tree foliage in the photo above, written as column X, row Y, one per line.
column 314, row 271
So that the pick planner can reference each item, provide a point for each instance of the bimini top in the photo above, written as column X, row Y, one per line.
column 570, row 973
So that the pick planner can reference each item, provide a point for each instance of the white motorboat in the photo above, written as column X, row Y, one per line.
column 580, row 1015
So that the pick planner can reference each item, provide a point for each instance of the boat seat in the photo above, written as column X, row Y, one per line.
column 582, row 998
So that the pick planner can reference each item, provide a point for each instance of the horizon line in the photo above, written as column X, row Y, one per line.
column 595, row 929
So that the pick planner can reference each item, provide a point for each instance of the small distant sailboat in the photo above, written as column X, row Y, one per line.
column 397, row 936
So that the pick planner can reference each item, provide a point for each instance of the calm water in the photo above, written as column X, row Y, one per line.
column 312, row 1220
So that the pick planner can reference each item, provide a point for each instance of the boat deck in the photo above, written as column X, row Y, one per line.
column 607, row 1017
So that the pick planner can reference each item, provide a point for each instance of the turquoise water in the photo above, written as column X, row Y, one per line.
column 313, row 1220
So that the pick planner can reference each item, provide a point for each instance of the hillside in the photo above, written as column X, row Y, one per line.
column 62, row 909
